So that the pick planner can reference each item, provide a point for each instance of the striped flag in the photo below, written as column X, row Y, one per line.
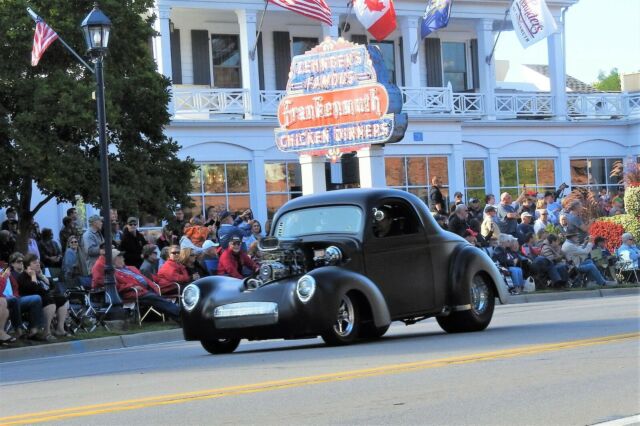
column 314, row 9
column 42, row 39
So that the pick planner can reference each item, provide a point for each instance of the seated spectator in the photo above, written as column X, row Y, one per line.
column 209, row 257
column 528, row 248
column 475, row 210
column 491, row 247
column 563, row 224
column 628, row 251
column 71, row 263
column 164, row 256
column 524, row 227
column 441, row 220
column 470, row 236
column 232, row 261
column 17, row 304
column 5, row 338
column 173, row 271
column 602, row 257
column 129, row 278
column 197, row 232
column 541, row 236
column 542, row 221
column 577, row 254
column 132, row 243
column 458, row 222
column 507, row 258
column 489, row 228
column 189, row 259
column 149, row 266
column 50, row 251
column 33, row 282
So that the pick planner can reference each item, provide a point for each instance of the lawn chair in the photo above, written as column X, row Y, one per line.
column 88, row 308
column 626, row 270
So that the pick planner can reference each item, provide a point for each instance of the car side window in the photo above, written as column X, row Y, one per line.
column 394, row 218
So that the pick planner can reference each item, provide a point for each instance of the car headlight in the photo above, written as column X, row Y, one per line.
column 190, row 297
column 305, row 288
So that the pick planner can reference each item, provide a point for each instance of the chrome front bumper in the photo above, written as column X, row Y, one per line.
column 245, row 314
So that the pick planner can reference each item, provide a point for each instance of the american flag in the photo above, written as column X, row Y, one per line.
column 314, row 9
column 42, row 39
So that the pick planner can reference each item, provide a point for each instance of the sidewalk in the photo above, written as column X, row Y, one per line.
column 174, row 335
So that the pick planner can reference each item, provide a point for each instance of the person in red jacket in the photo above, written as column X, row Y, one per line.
column 233, row 259
column 173, row 271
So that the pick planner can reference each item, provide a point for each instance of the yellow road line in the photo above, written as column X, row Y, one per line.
column 179, row 398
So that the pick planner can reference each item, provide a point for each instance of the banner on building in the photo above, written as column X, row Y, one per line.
column 436, row 16
column 376, row 16
column 532, row 21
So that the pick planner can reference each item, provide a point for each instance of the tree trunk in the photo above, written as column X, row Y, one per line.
column 24, row 215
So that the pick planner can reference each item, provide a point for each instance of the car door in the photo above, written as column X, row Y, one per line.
column 400, row 261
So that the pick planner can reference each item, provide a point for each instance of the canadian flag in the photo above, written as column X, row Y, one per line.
column 377, row 16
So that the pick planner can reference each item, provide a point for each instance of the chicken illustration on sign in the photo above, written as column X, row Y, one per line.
column 338, row 97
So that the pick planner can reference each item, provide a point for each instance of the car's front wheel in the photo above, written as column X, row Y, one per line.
column 477, row 318
column 346, row 323
column 220, row 346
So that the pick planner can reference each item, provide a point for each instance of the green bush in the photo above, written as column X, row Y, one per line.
column 629, row 222
column 632, row 201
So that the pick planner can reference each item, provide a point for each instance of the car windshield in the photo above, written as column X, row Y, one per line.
column 319, row 220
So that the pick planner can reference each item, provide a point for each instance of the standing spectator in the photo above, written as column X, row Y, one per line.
column 132, row 243
column 34, row 239
column 542, row 221
column 628, row 251
column 197, row 232
column 457, row 199
column 233, row 228
column 458, row 222
column 563, row 224
column 50, row 251
column 69, row 229
column 576, row 224
column 508, row 213
column 72, row 213
column 490, row 200
column 178, row 223
column 166, row 238
column 71, row 263
column 524, row 227
column 475, row 211
column 529, row 203
column 437, row 203
column 578, row 255
column 90, row 244
column 256, row 234
column 12, row 216
column 149, row 266
column 7, row 245
column 617, row 207
column 553, row 207
column 489, row 228
column 234, row 260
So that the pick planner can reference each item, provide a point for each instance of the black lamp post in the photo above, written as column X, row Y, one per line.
column 96, row 27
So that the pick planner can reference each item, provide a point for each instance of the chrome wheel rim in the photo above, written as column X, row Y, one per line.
column 345, row 318
column 479, row 295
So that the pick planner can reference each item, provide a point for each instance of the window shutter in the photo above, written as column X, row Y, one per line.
column 282, row 57
column 200, row 55
column 475, row 62
column 434, row 62
column 359, row 39
column 401, row 45
column 176, row 63
column 260, row 63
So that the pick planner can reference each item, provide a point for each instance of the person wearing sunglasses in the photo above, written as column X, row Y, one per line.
column 234, row 261
column 132, row 243
column 70, row 262
column 174, row 271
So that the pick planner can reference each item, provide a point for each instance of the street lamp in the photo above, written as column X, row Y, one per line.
column 96, row 27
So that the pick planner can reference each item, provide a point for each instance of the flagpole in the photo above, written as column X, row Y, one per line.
column 345, row 27
column 35, row 17
column 495, row 43
column 252, row 52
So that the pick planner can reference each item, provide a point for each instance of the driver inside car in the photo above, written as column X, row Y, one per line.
column 382, row 221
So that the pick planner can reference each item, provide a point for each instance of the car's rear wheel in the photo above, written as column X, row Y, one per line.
column 220, row 346
column 346, row 323
column 479, row 316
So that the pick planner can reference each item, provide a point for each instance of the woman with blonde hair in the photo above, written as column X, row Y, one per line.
column 174, row 271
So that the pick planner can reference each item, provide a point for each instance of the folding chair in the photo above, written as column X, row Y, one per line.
column 88, row 308
column 625, row 269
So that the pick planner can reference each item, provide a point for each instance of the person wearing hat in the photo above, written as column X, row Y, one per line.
column 489, row 228
column 209, row 257
column 233, row 228
column 234, row 260
column 577, row 254
column 628, row 251
column 90, row 244
column 132, row 243
column 525, row 226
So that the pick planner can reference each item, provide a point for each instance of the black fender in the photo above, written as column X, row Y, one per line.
column 335, row 282
column 466, row 262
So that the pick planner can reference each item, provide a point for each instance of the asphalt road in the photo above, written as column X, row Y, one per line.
column 556, row 363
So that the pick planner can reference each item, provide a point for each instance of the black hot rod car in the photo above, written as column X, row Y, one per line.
column 343, row 265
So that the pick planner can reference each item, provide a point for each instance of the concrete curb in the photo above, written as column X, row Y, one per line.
column 153, row 337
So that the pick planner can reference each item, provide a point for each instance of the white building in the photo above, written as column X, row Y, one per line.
column 478, row 139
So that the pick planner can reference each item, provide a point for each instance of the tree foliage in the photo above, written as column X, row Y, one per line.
column 608, row 82
column 48, row 132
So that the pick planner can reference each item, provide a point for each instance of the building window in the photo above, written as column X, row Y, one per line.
column 225, row 50
column 454, row 65
column 300, row 45
column 388, row 55
column 223, row 186
column 414, row 174
column 474, row 180
column 284, row 182
column 538, row 175
column 597, row 173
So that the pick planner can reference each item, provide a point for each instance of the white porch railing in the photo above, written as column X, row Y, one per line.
column 596, row 104
column 523, row 104
column 212, row 101
column 269, row 100
column 633, row 105
column 468, row 104
column 426, row 100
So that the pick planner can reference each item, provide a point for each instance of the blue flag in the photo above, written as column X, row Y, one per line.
column 436, row 16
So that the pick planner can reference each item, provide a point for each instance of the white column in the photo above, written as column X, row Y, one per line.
column 486, row 72
column 409, row 30
column 557, row 73
column 456, row 171
column 371, row 165
column 163, row 48
column 332, row 31
column 563, row 167
column 494, row 173
column 250, row 73
column 313, row 176
column 259, row 187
